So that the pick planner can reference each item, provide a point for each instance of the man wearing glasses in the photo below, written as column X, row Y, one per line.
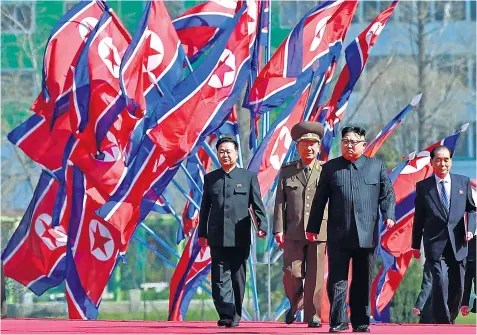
column 357, row 188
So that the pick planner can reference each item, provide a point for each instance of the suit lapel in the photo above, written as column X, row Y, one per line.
column 435, row 196
column 454, row 196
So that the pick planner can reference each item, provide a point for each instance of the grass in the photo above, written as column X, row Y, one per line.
column 192, row 315
column 469, row 319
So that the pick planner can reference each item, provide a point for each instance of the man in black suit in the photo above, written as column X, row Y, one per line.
column 357, row 187
column 224, row 225
column 469, row 279
column 440, row 204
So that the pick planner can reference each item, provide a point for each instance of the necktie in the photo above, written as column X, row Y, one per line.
column 444, row 196
column 307, row 172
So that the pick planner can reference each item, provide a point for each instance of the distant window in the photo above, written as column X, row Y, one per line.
column 175, row 8
column 17, row 18
column 18, row 85
column 472, row 75
column 370, row 10
column 442, row 10
column 457, row 11
column 408, row 11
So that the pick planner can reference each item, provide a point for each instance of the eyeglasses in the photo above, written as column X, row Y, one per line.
column 348, row 142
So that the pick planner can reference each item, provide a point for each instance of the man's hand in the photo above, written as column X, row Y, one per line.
column 261, row 233
column 202, row 242
column 416, row 311
column 464, row 310
column 416, row 253
column 389, row 223
column 312, row 237
column 469, row 236
column 280, row 238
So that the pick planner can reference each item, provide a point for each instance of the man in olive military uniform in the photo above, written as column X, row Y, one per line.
column 224, row 225
column 302, row 259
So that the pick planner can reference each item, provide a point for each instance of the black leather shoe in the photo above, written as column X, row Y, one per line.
column 314, row 324
column 291, row 316
column 339, row 327
column 222, row 322
column 232, row 324
column 362, row 329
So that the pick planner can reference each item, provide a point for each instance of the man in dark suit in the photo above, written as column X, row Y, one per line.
column 224, row 224
column 357, row 187
column 423, row 305
column 302, row 259
column 440, row 204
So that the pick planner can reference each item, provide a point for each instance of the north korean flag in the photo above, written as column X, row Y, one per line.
column 63, row 48
column 35, row 254
column 310, row 47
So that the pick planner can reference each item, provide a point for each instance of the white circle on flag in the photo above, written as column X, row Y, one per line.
column 86, row 26
column 53, row 237
column 155, row 57
column 110, row 55
column 421, row 160
column 224, row 74
column 283, row 140
column 100, row 241
column 373, row 33
column 252, row 14
column 112, row 153
column 319, row 32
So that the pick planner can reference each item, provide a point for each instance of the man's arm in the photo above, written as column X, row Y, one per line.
column 470, row 209
column 279, row 211
column 257, row 204
column 419, row 218
column 323, row 191
column 387, row 198
column 204, row 210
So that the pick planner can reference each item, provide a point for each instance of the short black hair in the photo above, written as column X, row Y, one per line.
column 353, row 129
column 224, row 139
column 440, row 147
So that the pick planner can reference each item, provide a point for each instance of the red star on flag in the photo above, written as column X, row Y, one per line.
column 222, row 69
column 149, row 52
column 111, row 58
column 99, row 241
column 47, row 234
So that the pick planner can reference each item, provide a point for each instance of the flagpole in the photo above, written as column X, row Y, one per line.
column 211, row 153
column 187, row 173
column 184, row 193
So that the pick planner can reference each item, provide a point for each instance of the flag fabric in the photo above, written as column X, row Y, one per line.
column 193, row 267
column 201, row 25
column 310, row 47
column 153, row 62
column 356, row 54
column 271, row 153
column 35, row 254
column 231, row 125
column 97, row 104
column 92, row 250
column 202, row 103
column 373, row 147
column 62, row 50
column 395, row 243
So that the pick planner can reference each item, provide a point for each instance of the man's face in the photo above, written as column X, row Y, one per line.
column 442, row 163
column 308, row 150
column 352, row 146
column 227, row 154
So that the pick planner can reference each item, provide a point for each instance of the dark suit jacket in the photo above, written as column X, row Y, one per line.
column 432, row 223
column 356, row 191
column 224, row 217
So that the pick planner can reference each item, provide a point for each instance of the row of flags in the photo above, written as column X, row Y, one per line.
column 119, row 116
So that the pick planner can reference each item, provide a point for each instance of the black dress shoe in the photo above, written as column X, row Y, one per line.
column 361, row 329
column 224, row 322
column 339, row 327
column 232, row 324
column 291, row 316
column 314, row 324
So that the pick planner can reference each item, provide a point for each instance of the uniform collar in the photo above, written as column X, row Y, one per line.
column 232, row 173
column 358, row 164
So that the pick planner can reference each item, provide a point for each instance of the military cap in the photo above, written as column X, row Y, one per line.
column 307, row 130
